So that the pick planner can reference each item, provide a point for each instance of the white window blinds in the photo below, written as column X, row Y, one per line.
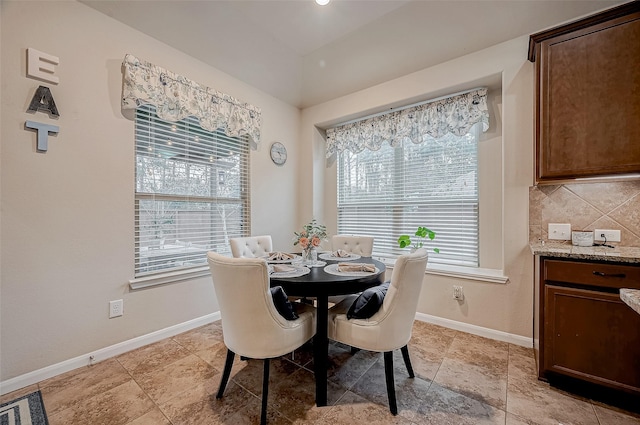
column 192, row 192
column 392, row 191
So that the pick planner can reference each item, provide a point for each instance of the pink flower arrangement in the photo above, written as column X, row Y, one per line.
column 312, row 235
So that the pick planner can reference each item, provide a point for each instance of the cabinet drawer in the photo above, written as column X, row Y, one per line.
column 592, row 274
column 593, row 336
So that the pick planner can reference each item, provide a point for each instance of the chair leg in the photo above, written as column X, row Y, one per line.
column 226, row 373
column 391, row 387
column 265, row 392
column 407, row 361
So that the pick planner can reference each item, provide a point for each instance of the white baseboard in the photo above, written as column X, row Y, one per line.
column 477, row 330
column 104, row 353
column 125, row 346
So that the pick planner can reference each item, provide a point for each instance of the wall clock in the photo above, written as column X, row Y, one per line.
column 278, row 153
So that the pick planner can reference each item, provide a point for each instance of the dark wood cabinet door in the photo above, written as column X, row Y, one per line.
column 593, row 336
column 588, row 100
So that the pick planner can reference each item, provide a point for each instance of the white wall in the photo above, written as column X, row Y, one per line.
column 66, row 245
column 506, row 166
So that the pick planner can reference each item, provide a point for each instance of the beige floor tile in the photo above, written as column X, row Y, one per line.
column 346, row 368
column 359, row 411
column 538, row 402
column 442, row 406
column 425, row 362
column 63, row 391
column 478, row 382
column 611, row 416
column 486, row 353
column 250, row 376
column 153, row 356
column 517, row 420
column 409, row 391
column 295, row 397
column 153, row 417
column 117, row 406
column 201, row 338
column 187, row 374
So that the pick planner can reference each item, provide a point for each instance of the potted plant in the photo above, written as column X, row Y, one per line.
column 421, row 236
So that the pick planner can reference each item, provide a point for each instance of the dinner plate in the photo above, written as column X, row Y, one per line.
column 329, row 256
column 299, row 271
column 333, row 269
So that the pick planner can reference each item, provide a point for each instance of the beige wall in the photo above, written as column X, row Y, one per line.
column 506, row 153
column 67, row 215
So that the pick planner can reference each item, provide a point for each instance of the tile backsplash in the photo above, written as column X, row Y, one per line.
column 587, row 206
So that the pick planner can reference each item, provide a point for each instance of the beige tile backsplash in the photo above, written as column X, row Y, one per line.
column 587, row 206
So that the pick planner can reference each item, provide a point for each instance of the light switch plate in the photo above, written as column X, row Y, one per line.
column 560, row 231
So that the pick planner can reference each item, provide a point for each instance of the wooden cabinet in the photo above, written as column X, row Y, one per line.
column 584, row 330
column 587, row 116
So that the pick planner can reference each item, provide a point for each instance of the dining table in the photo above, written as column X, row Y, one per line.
column 324, row 281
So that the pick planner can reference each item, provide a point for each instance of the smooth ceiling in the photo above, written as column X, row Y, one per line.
column 305, row 54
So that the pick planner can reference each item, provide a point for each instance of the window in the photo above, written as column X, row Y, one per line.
column 392, row 191
column 192, row 192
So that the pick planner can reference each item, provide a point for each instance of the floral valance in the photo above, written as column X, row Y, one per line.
column 176, row 97
column 456, row 114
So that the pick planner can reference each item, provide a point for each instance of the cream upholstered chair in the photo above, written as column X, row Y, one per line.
column 251, row 325
column 390, row 327
column 355, row 244
column 251, row 246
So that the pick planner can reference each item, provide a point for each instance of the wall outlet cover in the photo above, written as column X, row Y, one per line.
column 560, row 231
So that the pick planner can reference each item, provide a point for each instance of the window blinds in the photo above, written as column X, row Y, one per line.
column 192, row 192
column 392, row 191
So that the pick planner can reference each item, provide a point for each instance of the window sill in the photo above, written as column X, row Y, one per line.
column 470, row 273
column 170, row 277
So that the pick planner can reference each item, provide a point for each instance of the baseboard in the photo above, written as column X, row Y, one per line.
column 104, row 353
column 477, row 330
column 125, row 346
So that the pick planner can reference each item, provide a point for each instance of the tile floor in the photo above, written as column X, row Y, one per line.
column 460, row 379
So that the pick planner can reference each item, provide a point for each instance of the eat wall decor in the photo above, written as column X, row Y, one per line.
column 41, row 66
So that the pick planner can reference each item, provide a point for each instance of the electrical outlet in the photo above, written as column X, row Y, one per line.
column 458, row 293
column 560, row 231
column 116, row 308
column 608, row 235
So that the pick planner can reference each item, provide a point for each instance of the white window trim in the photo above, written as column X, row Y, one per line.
column 459, row 272
column 169, row 277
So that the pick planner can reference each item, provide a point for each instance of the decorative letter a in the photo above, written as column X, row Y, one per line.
column 43, row 101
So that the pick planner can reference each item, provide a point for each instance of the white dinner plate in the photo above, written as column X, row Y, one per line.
column 329, row 256
column 299, row 271
column 333, row 269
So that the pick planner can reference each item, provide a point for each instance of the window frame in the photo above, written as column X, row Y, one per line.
column 190, row 149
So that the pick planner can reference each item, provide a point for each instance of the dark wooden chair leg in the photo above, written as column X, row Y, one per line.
column 391, row 387
column 407, row 361
column 265, row 392
column 226, row 373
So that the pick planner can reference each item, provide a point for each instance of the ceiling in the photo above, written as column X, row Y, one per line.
column 305, row 54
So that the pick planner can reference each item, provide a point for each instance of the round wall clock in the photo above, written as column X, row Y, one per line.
column 278, row 153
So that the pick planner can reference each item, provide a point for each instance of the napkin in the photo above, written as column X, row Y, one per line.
column 283, row 268
column 340, row 253
column 356, row 267
column 279, row 256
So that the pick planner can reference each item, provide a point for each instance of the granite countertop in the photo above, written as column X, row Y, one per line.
column 631, row 297
column 621, row 254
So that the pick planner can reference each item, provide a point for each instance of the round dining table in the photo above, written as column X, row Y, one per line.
column 321, row 285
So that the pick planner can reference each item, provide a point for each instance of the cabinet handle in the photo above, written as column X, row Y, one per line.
column 621, row 275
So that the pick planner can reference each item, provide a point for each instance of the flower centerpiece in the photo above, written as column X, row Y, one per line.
column 309, row 239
